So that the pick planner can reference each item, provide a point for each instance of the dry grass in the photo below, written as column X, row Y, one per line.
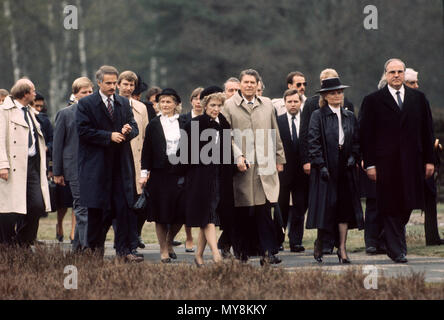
column 39, row 275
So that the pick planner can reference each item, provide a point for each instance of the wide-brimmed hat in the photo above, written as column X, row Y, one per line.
column 210, row 90
column 331, row 84
column 141, row 86
column 168, row 92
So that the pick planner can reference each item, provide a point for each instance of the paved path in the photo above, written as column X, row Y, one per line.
column 432, row 267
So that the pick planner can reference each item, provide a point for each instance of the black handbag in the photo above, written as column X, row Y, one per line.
column 141, row 205
column 53, row 195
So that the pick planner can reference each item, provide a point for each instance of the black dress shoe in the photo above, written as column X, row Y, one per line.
column 141, row 244
column 189, row 250
column 281, row 248
column 342, row 260
column 172, row 255
column 131, row 258
column 165, row 261
column 401, row 259
column 271, row 259
column 176, row 243
column 318, row 252
column 297, row 248
column 371, row 250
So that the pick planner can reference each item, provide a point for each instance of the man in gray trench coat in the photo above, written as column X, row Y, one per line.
column 259, row 153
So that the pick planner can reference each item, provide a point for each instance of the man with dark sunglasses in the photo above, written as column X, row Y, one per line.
column 295, row 81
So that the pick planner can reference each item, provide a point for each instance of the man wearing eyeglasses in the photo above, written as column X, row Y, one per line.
column 295, row 81
column 397, row 147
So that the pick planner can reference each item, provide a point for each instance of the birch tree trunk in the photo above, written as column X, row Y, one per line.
column 13, row 40
column 81, row 44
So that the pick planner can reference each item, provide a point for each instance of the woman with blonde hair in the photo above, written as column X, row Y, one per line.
column 334, row 154
column 164, row 183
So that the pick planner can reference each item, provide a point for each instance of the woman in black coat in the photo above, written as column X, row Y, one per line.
column 209, row 183
column 334, row 152
column 165, row 185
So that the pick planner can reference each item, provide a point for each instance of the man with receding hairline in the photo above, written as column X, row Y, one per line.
column 106, row 125
column 397, row 146
column 24, row 193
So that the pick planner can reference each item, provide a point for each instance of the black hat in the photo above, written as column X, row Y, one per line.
column 39, row 96
column 140, row 87
column 210, row 90
column 331, row 84
column 168, row 92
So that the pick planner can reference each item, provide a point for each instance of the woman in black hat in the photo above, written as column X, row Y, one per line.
column 334, row 202
column 209, row 183
column 165, row 185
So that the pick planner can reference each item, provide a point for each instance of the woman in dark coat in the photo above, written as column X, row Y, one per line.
column 164, row 183
column 209, row 183
column 334, row 153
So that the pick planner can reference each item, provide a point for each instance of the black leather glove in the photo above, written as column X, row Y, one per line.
column 324, row 174
column 351, row 162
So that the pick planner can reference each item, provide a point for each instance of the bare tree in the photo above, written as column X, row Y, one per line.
column 14, row 48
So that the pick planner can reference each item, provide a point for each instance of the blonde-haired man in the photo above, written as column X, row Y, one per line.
column 64, row 158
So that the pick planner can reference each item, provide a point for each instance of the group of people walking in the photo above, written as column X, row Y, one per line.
column 239, row 161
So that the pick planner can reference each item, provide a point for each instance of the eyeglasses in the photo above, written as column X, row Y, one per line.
column 300, row 84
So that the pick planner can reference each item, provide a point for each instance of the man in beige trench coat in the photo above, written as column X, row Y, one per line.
column 24, row 192
column 259, row 153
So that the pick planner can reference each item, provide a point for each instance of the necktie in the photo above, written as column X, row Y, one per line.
column 110, row 108
column 398, row 95
column 26, row 113
column 294, row 134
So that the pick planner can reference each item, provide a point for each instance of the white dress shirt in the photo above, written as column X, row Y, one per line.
column 297, row 122
column 171, row 130
column 393, row 93
column 341, row 130
column 32, row 151
column 105, row 99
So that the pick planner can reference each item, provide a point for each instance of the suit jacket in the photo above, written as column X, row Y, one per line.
column 293, row 171
column 155, row 146
column 66, row 144
column 97, row 151
column 14, row 156
column 261, row 182
column 311, row 105
column 399, row 143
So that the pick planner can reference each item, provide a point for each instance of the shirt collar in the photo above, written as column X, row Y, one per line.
column 290, row 116
column 171, row 119
column 246, row 101
column 105, row 98
column 393, row 90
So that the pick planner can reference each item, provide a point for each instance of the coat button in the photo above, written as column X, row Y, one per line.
column 14, row 157
column 15, row 142
column 13, row 170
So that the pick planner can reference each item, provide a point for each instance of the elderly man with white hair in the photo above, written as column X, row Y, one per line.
column 430, row 211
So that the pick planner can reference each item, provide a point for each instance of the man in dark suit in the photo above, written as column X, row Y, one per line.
column 397, row 146
column 292, row 180
column 106, row 125
column 312, row 104
column 64, row 157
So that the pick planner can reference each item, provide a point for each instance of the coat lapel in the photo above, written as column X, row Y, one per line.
column 389, row 101
column 101, row 105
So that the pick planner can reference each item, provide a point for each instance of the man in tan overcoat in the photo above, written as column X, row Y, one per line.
column 24, row 193
column 259, row 153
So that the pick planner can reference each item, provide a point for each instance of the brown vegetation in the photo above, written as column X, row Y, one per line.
column 39, row 275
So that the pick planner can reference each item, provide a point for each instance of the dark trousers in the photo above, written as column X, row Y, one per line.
column 27, row 225
column 292, row 215
column 225, row 241
column 431, row 216
column 8, row 222
column 373, row 225
column 125, row 220
column 395, row 242
column 254, row 231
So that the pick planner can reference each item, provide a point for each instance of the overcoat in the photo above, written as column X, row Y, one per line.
column 323, row 137
column 14, row 156
column 141, row 117
column 200, row 176
column 258, row 125
column 399, row 143
column 96, row 150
